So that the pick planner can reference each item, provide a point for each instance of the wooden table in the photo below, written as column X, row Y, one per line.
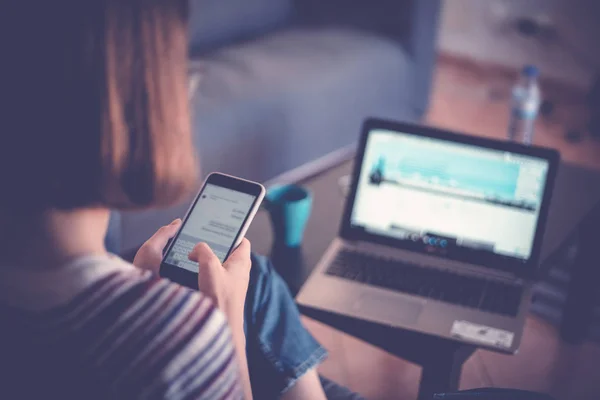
column 577, row 192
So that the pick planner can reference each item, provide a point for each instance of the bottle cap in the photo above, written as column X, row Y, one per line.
column 531, row 71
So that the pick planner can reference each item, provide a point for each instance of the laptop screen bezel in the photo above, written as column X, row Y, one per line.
column 526, row 269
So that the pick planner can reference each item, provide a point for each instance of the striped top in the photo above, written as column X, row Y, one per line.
column 100, row 328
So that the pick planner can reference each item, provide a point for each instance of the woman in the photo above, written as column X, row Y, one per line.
column 95, row 116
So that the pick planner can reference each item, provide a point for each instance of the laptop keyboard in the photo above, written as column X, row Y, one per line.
column 477, row 293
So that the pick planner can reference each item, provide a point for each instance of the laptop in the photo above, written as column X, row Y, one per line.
column 441, row 234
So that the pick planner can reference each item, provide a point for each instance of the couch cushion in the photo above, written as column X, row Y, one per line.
column 214, row 22
column 271, row 105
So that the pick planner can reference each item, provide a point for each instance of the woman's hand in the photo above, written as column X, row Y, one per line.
column 226, row 283
column 150, row 255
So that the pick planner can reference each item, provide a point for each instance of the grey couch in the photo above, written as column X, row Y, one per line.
column 288, row 83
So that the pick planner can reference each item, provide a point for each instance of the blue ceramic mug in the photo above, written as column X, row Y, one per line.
column 289, row 207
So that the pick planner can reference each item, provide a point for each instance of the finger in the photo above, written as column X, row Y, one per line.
column 203, row 255
column 240, row 255
column 161, row 237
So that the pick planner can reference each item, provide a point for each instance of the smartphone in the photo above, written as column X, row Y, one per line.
column 219, row 216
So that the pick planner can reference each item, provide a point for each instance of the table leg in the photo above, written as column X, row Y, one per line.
column 585, row 278
column 441, row 374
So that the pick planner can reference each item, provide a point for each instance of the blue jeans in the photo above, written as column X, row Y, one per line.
column 279, row 349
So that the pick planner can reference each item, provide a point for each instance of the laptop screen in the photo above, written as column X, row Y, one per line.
column 449, row 196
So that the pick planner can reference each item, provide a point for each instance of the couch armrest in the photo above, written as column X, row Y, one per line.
column 411, row 23
column 421, row 43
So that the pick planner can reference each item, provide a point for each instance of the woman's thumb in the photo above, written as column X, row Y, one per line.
column 202, row 254
column 240, row 256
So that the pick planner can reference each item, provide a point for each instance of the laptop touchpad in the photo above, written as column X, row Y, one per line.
column 389, row 308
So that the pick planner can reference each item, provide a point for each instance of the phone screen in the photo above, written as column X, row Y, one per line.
column 216, row 220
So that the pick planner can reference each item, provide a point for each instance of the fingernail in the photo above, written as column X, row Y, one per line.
column 178, row 220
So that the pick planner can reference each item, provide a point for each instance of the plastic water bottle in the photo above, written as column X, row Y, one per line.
column 526, row 99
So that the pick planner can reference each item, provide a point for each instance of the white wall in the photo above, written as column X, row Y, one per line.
column 482, row 30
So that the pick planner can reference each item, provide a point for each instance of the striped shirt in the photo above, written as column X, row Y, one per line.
column 100, row 328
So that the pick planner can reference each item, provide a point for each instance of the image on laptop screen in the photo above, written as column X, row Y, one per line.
column 449, row 195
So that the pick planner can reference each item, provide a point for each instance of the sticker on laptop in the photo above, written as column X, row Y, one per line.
column 482, row 334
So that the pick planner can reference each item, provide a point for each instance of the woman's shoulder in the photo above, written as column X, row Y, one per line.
column 161, row 334
column 146, row 336
column 105, row 291
column 122, row 293
column 79, row 282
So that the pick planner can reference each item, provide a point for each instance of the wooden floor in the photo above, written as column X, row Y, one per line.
column 473, row 100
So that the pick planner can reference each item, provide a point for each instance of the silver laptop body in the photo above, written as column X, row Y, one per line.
column 433, row 216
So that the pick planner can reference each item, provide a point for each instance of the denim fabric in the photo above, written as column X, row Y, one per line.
column 280, row 350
